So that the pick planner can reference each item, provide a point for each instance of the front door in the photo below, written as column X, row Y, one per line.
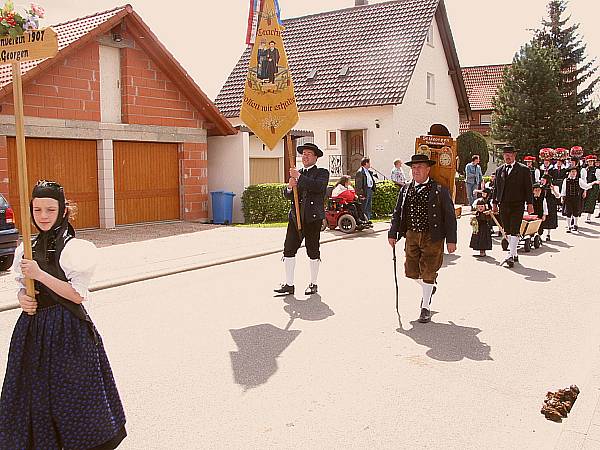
column 355, row 151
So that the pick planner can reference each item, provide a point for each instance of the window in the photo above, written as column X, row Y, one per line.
column 430, row 87
column 331, row 139
column 429, row 39
column 485, row 119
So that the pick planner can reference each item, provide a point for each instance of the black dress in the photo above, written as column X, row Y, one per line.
column 551, row 222
column 482, row 240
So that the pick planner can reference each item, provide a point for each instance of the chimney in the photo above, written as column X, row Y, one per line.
column 361, row 2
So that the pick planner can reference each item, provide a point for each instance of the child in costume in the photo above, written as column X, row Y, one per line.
column 552, row 197
column 571, row 194
column 481, row 239
column 58, row 392
column 590, row 174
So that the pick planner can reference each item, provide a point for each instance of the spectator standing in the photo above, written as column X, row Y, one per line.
column 365, row 185
column 473, row 178
column 398, row 176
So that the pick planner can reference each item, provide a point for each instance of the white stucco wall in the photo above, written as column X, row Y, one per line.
column 228, row 168
column 415, row 115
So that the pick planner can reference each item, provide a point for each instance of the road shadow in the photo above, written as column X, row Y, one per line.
column 587, row 233
column 259, row 346
column 313, row 308
column 531, row 274
column 450, row 259
column 448, row 341
column 560, row 244
column 488, row 259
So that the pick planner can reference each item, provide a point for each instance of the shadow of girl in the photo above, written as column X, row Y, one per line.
column 448, row 341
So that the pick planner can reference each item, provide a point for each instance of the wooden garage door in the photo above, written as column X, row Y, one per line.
column 72, row 163
column 264, row 170
column 146, row 182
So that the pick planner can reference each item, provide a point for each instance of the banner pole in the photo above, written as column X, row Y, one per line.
column 292, row 161
column 22, row 170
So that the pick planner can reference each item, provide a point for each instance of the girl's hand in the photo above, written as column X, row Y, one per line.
column 28, row 304
column 30, row 269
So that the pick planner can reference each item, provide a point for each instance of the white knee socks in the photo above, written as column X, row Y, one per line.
column 575, row 221
column 290, row 265
column 513, row 242
column 427, row 292
column 314, row 270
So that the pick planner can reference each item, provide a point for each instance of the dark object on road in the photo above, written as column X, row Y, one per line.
column 9, row 235
column 558, row 404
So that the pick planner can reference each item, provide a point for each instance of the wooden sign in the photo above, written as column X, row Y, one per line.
column 442, row 150
column 33, row 44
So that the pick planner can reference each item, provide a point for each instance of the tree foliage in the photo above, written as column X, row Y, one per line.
column 527, row 106
column 469, row 144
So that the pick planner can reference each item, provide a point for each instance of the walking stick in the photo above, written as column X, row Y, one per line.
column 292, row 161
column 396, row 281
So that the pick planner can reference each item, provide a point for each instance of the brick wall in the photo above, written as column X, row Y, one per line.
column 70, row 89
column 3, row 167
column 149, row 97
column 194, row 174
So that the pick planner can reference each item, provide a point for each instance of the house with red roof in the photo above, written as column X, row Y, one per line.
column 117, row 120
column 369, row 79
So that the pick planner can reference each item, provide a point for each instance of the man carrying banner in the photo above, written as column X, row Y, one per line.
column 311, row 182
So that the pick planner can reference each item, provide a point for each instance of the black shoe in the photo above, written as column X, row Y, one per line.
column 547, row 238
column 425, row 316
column 569, row 230
column 311, row 289
column 515, row 259
column 575, row 228
column 284, row 289
column 509, row 262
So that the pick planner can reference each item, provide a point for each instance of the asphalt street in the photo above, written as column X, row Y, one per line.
column 210, row 359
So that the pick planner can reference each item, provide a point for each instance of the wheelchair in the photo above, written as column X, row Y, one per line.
column 343, row 215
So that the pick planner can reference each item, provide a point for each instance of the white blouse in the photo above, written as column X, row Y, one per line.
column 78, row 260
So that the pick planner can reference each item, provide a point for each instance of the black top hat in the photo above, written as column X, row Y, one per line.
column 419, row 158
column 310, row 146
column 508, row 149
column 536, row 185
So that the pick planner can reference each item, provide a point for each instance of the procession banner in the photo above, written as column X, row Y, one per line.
column 442, row 150
column 269, row 105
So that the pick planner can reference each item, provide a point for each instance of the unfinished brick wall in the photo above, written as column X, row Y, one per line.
column 149, row 97
column 70, row 89
column 4, row 182
column 194, row 174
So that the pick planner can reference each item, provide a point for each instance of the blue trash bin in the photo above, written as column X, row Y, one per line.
column 222, row 207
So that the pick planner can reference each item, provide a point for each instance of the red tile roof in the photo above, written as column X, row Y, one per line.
column 380, row 43
column 68, row 32
column 482, row 83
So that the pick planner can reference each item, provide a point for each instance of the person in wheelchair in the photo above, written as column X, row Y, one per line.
column 343, row 191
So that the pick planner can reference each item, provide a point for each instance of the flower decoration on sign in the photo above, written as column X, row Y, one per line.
column 271, row 122
column 14, row 24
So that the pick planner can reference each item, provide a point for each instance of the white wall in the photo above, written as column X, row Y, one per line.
column 228, row 168
column 415, row 115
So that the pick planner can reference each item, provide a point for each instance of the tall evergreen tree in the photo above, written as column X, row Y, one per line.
column 577, row 81
column 528, row 103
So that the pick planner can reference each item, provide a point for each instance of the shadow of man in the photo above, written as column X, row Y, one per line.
column 448, row 341
column 312, row 308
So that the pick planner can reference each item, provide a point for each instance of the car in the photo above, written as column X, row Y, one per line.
column 9, row 234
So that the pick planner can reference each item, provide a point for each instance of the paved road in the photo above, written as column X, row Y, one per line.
column 210, row 359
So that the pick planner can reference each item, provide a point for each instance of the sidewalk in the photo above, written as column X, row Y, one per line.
column 126, row 263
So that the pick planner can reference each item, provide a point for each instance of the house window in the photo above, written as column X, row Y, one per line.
column 485, row 119
column 331, row 139
column 430, row 87
column 430, row 35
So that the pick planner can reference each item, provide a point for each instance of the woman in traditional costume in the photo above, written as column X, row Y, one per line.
column 590, row 174
column 59, row 392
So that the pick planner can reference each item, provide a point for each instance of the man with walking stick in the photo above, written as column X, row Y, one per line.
column 311, row 183
column 425, row 217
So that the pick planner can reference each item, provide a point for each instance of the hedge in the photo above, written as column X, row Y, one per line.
column 469, row 144
column 264, row 203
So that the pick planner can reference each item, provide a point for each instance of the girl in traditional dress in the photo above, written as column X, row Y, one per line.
column 552, row 196
column 590, row 174
column 58, row 392
column 481, row 239
column 571, row 194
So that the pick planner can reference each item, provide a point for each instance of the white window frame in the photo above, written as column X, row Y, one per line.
column 482, row 122
column 430, row 87
column 430, row 34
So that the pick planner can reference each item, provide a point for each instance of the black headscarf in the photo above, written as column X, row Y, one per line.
column 58, row 235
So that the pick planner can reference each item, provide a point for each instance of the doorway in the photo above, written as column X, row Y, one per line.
column 353, row 150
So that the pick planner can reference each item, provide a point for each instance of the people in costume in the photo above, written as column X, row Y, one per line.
column 589, row 174
column 513, row 190
column 58, row 392
column 552, row 196
column 572, row 197
column 272, row 56
column 311, row 182
column 424, row 215
column 540, row 205
column 535, row 172
column 481, row 238
column 559, row 172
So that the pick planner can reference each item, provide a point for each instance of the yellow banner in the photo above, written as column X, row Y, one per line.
column 33, row 44
column 269, row 106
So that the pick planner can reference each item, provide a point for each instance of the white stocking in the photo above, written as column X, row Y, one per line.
column 427, row 291
column 314, row 270
column 290, row 265
column 513, row 242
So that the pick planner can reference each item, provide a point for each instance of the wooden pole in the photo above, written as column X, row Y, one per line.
column 289, row 147
column 22, row 170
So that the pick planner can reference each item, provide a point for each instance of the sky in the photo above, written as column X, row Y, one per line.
column 207, row 37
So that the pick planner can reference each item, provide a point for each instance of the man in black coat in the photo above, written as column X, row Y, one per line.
column 514, row 189
column 311, row 182
column 364, row 185
column 425, row 217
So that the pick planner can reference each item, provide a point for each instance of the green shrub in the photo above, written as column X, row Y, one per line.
column 469, row 144
column 384, row 198
column 265, row 203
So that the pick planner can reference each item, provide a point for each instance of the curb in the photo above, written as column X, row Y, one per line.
column 168, row 272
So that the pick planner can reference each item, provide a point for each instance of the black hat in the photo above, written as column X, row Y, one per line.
column 508, row 149
column 419, row 158
column 310, row 146
column 537, row 185
column 547, row 177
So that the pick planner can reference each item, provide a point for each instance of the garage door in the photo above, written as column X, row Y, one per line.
column 146, row 182
column 72, row 163
column 264, row 170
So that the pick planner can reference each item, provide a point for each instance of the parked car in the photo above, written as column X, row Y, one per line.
column 9, row 235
